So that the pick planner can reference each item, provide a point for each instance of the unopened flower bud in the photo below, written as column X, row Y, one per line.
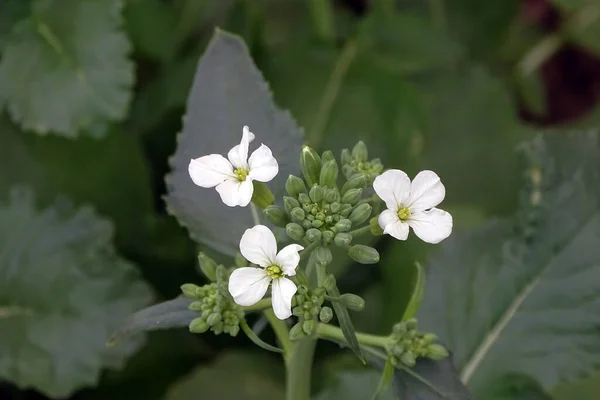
column 375, row 228
column 222, row 274
column 316, row 193
column 294, row 186
column 343, row 225
column 408, row 359
column 208, row 266
column 343, row 239
column 262, row 195
column 322, row 255
column 234, row 330
column 327, row 156
column 313, row 235
column 289, row 203
column 352, row 302
column 213, row 319
column 346, row 157
column 329, row 174
column 430, row 338
column 276, row 215
column 360, row 152
column 335, row 207
column 346, row 209
column 437, row 352
column 307, row 223
column 198, row 325
column 308, row 326
column 297, row 214
column 294, row 231
column 360, row 214
column 356, row 181
column 332, row 196
column 196, row 306
column 326, row 314
column 352, row 196
column 329, row 283
column 304, row 199
column 363, row 254
column 328, row 235
column 310, row 163
column 296, row 332
column 190, row 290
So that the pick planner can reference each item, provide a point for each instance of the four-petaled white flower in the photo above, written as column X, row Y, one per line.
column 413, row 205
column 249, row 285
column 233, row 178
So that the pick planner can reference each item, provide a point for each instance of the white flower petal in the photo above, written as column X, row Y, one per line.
column 431, row 226
column 288, row 258
column 387, row 217
column 234, row 193
column 209, row 171
column 263, row 166
column 281, row 297
column 393, row 187
column 426, row 191
column 258, row 245
column 239, row 154
column 248, row 285
column 390, row 223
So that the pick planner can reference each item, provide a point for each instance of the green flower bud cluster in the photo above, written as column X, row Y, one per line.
column 218, row 312
column 357, row 161
column 307, row 306
column 407, row 344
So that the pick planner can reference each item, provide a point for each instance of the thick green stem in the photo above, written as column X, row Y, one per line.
column 326, row 331
column 299, row 369
column 281, row 331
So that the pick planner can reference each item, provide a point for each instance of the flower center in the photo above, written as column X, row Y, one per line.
column 274, row 271
column 241, row 174
column 403, row 213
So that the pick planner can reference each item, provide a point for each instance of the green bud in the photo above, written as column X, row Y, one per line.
column 437, row 352
column 352, row 302
column 360, row 152
column 196, row 306
column 297, row 214
column 222, row 274
column 360, row 214
column 347, row 170
column 363, row 254
column 307, row 223
column 375, row 228
column 322, row 255
column 430, row 338
column 411, row 324
column 310, row 163
column 190, row 290
column 208, row 266
column 343, row 225
column 332, row 196
column 343, row 239
column 335, row 207
column 320, row 216
column 329, row 174
column 308, row 326
column 234, row 330
column 289, row 203
column 294, row 231
column 198, row 325
column 327, row 156
column 317, row 223
column 346, row 157
column 304, row 199
column 294, row 186
column 296, row 332
column 356, row 181
column 313, row 235
column 317, row 193
column 213, row 319
column 276, row 215
column 325, row 315
column 352, row 196
column 329, row 283
column 328, row 236
column 262, row 195
column 408, row 359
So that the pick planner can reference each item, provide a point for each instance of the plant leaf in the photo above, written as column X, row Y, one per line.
column 418, row 290
column 78, row 54
column 354, row 385
column 169, row 314
column 63, row 290
column 521, row 297
column 228, row 93
column 385, row 380
column 346, row 325
column 256, row 340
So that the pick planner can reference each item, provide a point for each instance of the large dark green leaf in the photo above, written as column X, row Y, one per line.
column 521, row 297
column 228, row 93
column 78, row 55
column 354, row 385
column 63, row 290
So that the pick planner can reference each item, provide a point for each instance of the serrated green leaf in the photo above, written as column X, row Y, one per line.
column 63, row 291
column 79, row 56
column 520, row 297
column 228, row 93
column 169, row 314
column 418, row 290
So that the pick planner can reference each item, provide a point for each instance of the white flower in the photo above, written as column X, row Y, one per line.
column 249, row 285
column 413, row 205
column 233, row 178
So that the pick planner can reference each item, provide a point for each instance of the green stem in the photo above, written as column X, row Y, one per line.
column 326, row 331
column 307, row 250
column 299, row 370
column 261, row 305
column 331, row 91
column 255, row 215
column 360, row 231
column 281, row 331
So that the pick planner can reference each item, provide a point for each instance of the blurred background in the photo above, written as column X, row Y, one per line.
column 452, row 86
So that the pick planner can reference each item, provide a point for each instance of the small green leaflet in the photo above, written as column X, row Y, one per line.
column 63, row 291
column 522, row 297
